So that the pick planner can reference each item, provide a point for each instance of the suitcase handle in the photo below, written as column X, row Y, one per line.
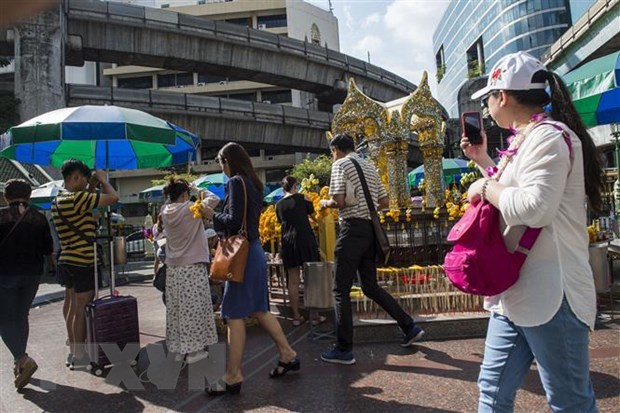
column 112, row 275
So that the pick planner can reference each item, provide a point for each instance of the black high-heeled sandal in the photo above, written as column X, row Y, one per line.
column 292, row 365
column 220, row 388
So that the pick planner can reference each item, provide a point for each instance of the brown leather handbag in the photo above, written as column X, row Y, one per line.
column 231, row 255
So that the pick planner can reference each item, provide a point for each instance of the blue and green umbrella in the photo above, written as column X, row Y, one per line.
column 215, row 183
column 103, row 137
column 274, row 196
column 42, row 196
column 595, row 89
column 453, row 168
column 152, row 194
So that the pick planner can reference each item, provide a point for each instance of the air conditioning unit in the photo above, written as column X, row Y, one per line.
column 262, row 26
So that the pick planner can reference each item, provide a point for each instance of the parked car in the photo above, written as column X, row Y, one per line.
column 135, row 243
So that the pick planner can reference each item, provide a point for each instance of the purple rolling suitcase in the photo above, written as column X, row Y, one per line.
column 110, row 320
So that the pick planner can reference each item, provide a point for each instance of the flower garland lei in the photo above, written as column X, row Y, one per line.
column 514, row 143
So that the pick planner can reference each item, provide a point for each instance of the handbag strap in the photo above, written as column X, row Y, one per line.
column 530, row 235
column 72, row 227
column 19, row 219
column 360, row 173
column 243, row 229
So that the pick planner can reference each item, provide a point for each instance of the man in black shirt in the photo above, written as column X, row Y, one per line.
column 25, row 241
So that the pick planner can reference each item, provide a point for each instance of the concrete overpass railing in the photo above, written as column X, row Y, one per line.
column 106, row 31
column 218, row 118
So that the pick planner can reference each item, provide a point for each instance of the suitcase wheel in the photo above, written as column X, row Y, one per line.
column 96, row 370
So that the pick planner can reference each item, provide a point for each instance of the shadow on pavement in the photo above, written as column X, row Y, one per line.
column 68, row 399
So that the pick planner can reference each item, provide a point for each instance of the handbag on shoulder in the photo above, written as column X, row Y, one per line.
column 231, row 255
column 382, row 244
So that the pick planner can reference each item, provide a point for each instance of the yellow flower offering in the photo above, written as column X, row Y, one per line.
column 195, row 207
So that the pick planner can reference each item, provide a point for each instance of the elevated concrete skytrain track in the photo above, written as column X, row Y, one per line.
column 219, row 120
column 134, row 35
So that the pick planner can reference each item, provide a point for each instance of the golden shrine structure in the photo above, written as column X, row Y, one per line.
column 387, row 129
column 417, row 237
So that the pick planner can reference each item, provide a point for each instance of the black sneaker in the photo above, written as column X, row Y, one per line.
column 412, row 336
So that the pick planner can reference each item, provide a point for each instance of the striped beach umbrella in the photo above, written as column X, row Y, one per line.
column 103, row 137
column 595, row 89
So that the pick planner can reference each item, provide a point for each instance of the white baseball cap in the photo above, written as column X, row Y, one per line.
column 513, row 72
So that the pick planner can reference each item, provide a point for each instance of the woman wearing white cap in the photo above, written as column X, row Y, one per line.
column 545, row 176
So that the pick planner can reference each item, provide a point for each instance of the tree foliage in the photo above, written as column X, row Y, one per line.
column 188, row 177
column 320, row 167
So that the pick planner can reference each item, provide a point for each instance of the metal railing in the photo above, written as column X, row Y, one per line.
column 421, row 241
column 202, row 105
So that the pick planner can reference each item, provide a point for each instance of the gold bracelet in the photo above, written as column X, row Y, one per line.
column 483, row 195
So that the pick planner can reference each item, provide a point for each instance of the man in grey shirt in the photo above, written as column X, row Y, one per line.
column 355, row 248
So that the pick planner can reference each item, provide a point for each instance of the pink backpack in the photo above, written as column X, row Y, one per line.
column 479, row 262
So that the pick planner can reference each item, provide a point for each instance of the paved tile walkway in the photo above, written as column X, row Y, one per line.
column 437, row 376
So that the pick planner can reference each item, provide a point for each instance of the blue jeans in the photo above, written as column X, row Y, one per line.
column 560, row 348
column 16, row 296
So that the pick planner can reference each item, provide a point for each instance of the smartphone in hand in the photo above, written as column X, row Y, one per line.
column 472, row 127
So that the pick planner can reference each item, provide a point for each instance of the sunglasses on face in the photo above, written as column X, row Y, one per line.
column 485, row 100
column 219, row 159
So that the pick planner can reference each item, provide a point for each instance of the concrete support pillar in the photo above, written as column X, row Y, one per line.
column 39, row 64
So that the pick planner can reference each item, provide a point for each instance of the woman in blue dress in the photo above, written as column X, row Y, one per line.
column 249, row 298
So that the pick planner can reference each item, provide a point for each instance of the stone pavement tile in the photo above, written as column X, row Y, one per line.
column 433, row 376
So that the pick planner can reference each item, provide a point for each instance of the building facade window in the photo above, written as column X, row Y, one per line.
column 269, row 22
column 140, row 82
column 175, row 79
column 277, row 96
column 441, row 64
column 241, row 21
column 473, row 35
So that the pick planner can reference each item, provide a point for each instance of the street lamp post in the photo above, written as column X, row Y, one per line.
column 615, row 133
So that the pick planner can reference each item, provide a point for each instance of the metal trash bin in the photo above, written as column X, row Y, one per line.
column 120, row 251
column 318, row 285
column 600, row 267
column 318, row 296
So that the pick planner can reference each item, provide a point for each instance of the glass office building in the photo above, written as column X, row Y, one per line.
column 473, row 35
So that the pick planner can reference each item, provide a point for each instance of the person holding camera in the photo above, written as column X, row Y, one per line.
column 546, row 177
column 72, row 211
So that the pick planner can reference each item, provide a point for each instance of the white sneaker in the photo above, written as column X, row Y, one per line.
column 179, row 357
column 196, row 356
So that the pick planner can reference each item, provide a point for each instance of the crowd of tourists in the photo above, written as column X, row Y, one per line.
column 543, row 180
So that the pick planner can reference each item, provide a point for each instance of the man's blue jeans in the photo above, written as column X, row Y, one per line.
column 16, row 295
column 560, row 348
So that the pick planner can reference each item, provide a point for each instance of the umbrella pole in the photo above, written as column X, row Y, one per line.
column 109, row 219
